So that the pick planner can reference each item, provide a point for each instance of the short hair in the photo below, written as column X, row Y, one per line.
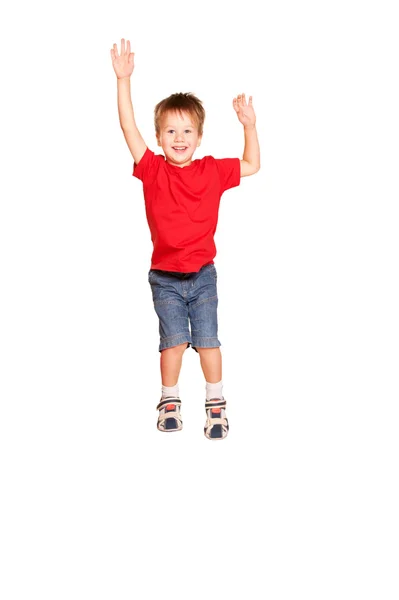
column 181, row 102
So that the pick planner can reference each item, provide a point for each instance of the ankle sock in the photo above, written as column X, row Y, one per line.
column 170, row 391
column 214, row 390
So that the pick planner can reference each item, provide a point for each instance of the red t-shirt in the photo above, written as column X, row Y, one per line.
column 182, row 207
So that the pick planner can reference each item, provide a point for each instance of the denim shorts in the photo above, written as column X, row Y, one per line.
column 184, row 300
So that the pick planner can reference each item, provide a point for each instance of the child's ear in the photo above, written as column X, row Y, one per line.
column 199, row 141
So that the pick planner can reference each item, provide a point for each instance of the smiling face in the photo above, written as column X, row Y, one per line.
column 178, row 137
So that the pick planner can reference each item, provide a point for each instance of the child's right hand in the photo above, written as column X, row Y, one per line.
column 124, row 63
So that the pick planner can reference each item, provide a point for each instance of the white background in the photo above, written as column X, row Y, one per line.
column 301, row 499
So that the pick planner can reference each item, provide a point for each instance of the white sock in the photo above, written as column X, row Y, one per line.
column 170, row 391
column 214, row 390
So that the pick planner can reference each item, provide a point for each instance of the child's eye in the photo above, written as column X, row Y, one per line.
column 188, row 131
column 171, row 131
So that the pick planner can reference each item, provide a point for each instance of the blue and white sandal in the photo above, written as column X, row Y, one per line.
column 169, row 418
column 217, row 425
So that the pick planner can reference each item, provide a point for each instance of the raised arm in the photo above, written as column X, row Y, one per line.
column 123, row 64
column 250, row 162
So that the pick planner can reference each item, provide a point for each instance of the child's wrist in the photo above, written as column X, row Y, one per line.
column 252, row 126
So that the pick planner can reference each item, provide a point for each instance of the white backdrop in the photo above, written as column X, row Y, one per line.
column 299, row 501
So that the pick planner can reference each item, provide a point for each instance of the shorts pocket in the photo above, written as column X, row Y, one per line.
column 214, row 272
column 151, row 275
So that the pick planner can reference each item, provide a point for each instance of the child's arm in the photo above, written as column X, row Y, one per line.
column 250, row 162
column 123, row 66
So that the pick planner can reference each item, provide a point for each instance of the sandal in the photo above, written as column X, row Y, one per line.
column 217, row 425
column 169, row 414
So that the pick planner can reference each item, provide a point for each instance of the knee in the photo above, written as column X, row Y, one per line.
column 207, row 351
column 176, row 350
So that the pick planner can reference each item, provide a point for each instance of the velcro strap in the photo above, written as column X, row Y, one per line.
column 165, row 401
column 171, row 415
column 212, row 422
column 213, row 404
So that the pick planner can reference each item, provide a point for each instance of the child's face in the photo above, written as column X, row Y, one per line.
column 178, row 137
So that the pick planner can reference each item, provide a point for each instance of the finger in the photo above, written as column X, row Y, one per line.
column 128, row 47
column 244, row 100
column 250, row 101
column 122, row 46
column 235, row 105
column 116, row 51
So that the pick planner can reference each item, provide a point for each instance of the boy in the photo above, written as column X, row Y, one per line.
column 182, row 202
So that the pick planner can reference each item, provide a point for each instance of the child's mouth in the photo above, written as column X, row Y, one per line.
column 179, row 150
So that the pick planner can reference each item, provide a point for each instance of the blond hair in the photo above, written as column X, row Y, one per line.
column 180, row 102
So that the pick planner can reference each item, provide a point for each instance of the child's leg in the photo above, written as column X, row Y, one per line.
column 216, row 426
column 169, row 407
column 171, row 361
column 211, row 364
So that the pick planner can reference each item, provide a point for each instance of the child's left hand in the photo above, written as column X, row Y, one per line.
column 245, row 112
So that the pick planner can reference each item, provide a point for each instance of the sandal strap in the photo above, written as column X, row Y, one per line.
column 170, row 415
column 166, row 401
column 217, row 421
column 215, row 404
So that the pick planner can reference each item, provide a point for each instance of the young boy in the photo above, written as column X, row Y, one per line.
column 182, row 199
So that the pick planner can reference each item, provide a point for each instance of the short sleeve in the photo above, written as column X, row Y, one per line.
column 229, row 172
column 147, row 169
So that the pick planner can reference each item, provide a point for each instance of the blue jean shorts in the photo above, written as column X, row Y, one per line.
column 183, row 301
